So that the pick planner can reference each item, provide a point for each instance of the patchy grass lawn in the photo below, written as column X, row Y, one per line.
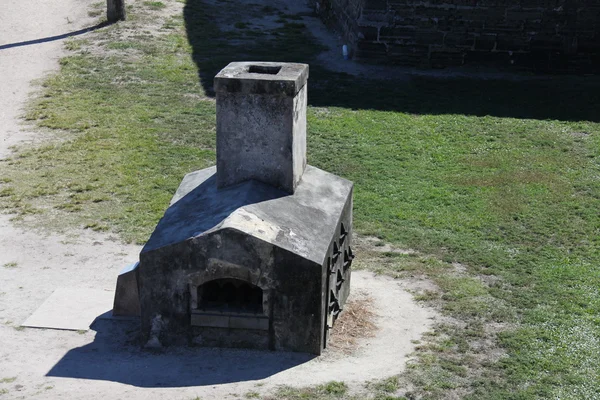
column 495, row 184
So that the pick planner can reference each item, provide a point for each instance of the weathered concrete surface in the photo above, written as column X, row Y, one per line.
column 261, row 123
column 169, row 275
column 303, row 223
column 258, row 77
column 255, row 253
column 127, row 298
column 255, row 233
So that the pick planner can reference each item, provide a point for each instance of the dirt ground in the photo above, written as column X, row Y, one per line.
column 107, row 361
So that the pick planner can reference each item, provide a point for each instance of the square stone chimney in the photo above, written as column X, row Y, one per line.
column 256, row 252
column 261, row 123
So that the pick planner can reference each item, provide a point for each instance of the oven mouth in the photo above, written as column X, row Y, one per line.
column 231, row 296
column 229, row 303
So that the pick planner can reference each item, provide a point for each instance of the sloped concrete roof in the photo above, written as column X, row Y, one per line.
column 302, row 223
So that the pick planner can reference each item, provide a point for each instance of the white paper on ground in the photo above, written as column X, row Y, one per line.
column 71, row 309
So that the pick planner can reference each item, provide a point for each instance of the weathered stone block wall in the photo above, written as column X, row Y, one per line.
column 344, row 15
column 543, row 35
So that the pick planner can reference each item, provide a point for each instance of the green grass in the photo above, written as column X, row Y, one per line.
column 155, row 5
column 8, row 380
column 499, row 176
column 380, row 390
column 328, row 391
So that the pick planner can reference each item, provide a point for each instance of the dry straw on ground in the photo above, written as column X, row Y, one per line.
column 355, row 323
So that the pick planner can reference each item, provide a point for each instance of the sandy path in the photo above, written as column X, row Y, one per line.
column 40, row 263
column 24, row 21
column 105, row 362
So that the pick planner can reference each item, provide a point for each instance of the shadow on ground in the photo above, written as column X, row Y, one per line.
column 567, row 98
column 116, row 356
column 54, row 38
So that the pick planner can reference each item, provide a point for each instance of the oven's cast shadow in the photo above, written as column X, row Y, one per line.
column 116, row 355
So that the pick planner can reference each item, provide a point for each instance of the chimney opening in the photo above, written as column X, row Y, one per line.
column 265, row 69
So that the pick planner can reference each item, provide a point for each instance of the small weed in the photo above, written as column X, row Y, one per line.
column 12, row 264
column 155, row 5
column 96, row 227
column 69, row 207
column 389, row 385
column 335, row 388
column 329, row 391
column 427, row 295
column 8, row 380
column 252, row 395
column 19, row 328
column 121, row 45
column 6, row 192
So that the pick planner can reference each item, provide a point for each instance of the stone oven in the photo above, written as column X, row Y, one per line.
column 255, row 252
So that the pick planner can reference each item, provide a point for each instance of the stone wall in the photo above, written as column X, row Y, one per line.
column 542, row 35
column 343, row 15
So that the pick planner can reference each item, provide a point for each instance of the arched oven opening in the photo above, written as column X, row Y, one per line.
column 230, row 296
column 229, row 303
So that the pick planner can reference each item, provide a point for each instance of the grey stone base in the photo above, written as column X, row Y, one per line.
column 127, row 299
column 233, row 338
